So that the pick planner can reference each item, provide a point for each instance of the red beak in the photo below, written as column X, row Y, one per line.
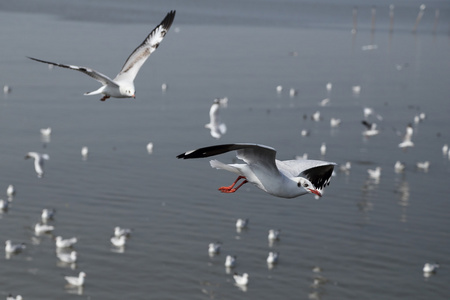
column 316, row 192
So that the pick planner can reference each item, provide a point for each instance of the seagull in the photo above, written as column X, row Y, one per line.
column 217, row 128
column 214, row 248
column 345, row 167
column 65, row 243
column 242, row 223
column 118, row 241
column 316, row 116
column 46, row 131
column 430, row 268
column 121, row 231
column 69, row 258
column 334, row 122
column 76, row 281
column 274, row 234
column 11, row 297
column 323, row 149
column 230, row 261
column 47, row 214
column 84, row 152
column 150, row 148
column 329, row 86
column 423, row 165
column 43, row 228
column 14, row 248
column 241, row 279
column 374, row 173
column 122, row 86
column 7, row 89
column 371, row 129
column 356, row 89
column 285, row 179
column 38, row 161
column 272, row 258
column 444, row 151
column 369, row 111
column 3, row 205
column 407, row 138
column 10, row 191
column 399, row 166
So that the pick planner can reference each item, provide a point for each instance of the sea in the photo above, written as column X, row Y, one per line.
column 365, row 238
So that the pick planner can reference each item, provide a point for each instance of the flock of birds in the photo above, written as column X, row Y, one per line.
column 286, row 179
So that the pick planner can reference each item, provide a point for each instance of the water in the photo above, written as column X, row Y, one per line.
column 369, row 239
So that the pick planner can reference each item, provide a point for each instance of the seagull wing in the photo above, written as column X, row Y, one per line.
column 253, row 154
column 316, row 171
column 138, row 57
column 105, row 80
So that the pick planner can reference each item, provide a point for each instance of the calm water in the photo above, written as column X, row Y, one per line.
column 370, row 239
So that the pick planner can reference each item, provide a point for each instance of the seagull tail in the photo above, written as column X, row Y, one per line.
column 219, row 165
column 96, row 92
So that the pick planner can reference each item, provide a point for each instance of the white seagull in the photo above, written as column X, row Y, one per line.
column 274, row 234
column 122, row 86
column 407, row 138
column 216, row 127
column 214, row 248
column 371, row 129
column 374, row 173
column 84, row 152
column 76, row 281
column 272, row 258
column 285, row 179
column 399, row 166
column 38, row 162
column 242, row 223
column 13, row 248
column 69, row 258
column 47, row 214
column 43, row 228
column 11, row 297
column 241, row 279
column 46, row 131
column 10, row 191
column 65, row 243
column 230, row 261
column 430, row 268
column 4, row 205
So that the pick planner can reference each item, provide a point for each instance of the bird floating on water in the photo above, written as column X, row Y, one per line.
column 430, row 267
column 272, row 258
column 65, row 243
column 76, row 281
column 230, row 261
column 122, row 86
column 11, row 248
column 43, row 228
column 274, row 234
column 48, row 214
column 118, row 231
column 214, row 248
column 285, row 179
column 69, row 258
column 241, row 279
column 10, row 191
column 118, row 241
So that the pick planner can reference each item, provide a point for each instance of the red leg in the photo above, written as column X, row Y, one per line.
column 230, row 189
column 104, row 98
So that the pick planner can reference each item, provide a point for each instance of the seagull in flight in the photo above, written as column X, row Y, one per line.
column 122, row 86
column 216, row 126
column 285, row 179
column 38, row 162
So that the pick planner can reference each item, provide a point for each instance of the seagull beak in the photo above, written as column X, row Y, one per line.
column 316, row 192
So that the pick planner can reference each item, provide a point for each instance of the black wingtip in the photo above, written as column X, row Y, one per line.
column 168, row 20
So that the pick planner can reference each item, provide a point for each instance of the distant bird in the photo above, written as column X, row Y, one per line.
column 214, row 248
column 370, row 111
column 11, row 248
column 407, row 142
column 46, row 131
column 76, row 281
column 329, row 86
column 241, row 279
column 118, row 241
column 43, row 228
column 7, row 89
column 122, row 231
column 4, row 204
column 423, row 165
column 84, row 152
column 164, row 87
column 324, row 102
column 38, row 162
column 216, row 126
column 279, row 89
column 356, row 89
column 65, row 243
column 272, row 258
column 335, row 122
column 69, row 258
column 11, row 297
column 430, row 268
column 285, row 179
column 230, row 261
column 293, row 92
column 304, row 132
column 374, row 173
column 48, row 214
column 123, row 85
column 242, row 223
column 10, row 191
column 444, row 149
column 323, row 149
column 345, row 167
column 274, row 234
column 371, row 129
column 316, row 116
column 399, row 167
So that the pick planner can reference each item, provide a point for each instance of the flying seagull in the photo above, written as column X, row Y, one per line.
column 285, row 179
column 38, row 162
column 216, row 126
column 122, row 86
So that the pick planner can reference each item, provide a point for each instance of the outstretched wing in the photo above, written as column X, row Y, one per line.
column 316, row 171
column 105, row 80
column 138, row 57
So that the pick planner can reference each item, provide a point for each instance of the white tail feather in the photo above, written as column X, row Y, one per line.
column 219, row 165
column 96, row 92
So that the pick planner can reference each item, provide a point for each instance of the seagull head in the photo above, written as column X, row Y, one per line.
column 128, row 90
column 308, row 186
